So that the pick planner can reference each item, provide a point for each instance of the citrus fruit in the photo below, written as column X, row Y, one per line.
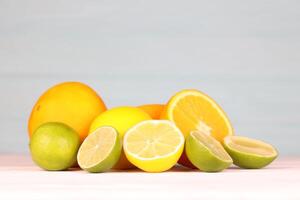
column 184, row 161
column 71, row 103
column 154, row 145
column 206, row 153
column 154, row 110
column 100, row 151
column 249, row 153
column 120, row 118
column 54, row 146
column 193, row 110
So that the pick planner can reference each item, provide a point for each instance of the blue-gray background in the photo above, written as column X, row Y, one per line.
column 245, row 54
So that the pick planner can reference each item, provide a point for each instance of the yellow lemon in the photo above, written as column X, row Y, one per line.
column 154, row 145
column 122, row 119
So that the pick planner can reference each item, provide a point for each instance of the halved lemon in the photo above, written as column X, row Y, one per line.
column 249, row 153
column 153, row 145
column 193, row 110
column 206, row 153
column 100, row 151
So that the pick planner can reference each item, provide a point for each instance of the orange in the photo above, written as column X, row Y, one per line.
column 154, row 110
column 72, row 103
column 193, row 110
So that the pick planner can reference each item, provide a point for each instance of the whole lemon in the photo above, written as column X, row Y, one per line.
column 71, row 103
column 54, row 146
column 122, row 119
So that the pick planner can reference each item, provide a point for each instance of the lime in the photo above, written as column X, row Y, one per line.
column 54, row 146
column 121, row 118
column 249, row 153
column 100, row 151
column 206, row 153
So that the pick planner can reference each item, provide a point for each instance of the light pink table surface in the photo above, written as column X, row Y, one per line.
column 21, row 179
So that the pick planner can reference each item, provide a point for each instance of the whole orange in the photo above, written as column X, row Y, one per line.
column 72, row 103
column 154, row 110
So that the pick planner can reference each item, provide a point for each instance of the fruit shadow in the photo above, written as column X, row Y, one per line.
column 267, row 168
column 176, row 168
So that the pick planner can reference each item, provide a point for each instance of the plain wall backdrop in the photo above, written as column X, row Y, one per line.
column 244, row 54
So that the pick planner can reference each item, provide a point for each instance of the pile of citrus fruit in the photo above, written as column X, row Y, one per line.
column 70, row 125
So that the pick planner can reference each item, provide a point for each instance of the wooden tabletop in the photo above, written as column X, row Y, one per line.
column 20, row 178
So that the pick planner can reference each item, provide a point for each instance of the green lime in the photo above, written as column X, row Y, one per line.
column 54, row 146
column 206, row 153
column 100, row 151
column 249, row 153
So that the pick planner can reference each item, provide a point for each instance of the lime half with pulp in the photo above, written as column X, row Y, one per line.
column 100, row 151
column 206, row 153
column 249, row 153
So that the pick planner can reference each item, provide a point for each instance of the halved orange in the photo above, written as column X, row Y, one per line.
column 193, row 110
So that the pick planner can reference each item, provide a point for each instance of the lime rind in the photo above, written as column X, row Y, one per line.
column 54, row 145
column 203, row 157
column 249, row 160
column 111, row 158
column 109, row 161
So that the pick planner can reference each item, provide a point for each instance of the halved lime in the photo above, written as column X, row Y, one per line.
column 249, row 153
column 206, row 153
column 100, row 151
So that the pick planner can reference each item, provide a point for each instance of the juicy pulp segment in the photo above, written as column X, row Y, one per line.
column 211, row 144
column 250, row 146
column 153, row 141
column 97, row 146
column 193, row 110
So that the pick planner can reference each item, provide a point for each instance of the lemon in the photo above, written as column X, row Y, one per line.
column 54, row 146
column 100, row 151
column 154, row 145
column 249, row 153
column 206, row 153
column 122, row 119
